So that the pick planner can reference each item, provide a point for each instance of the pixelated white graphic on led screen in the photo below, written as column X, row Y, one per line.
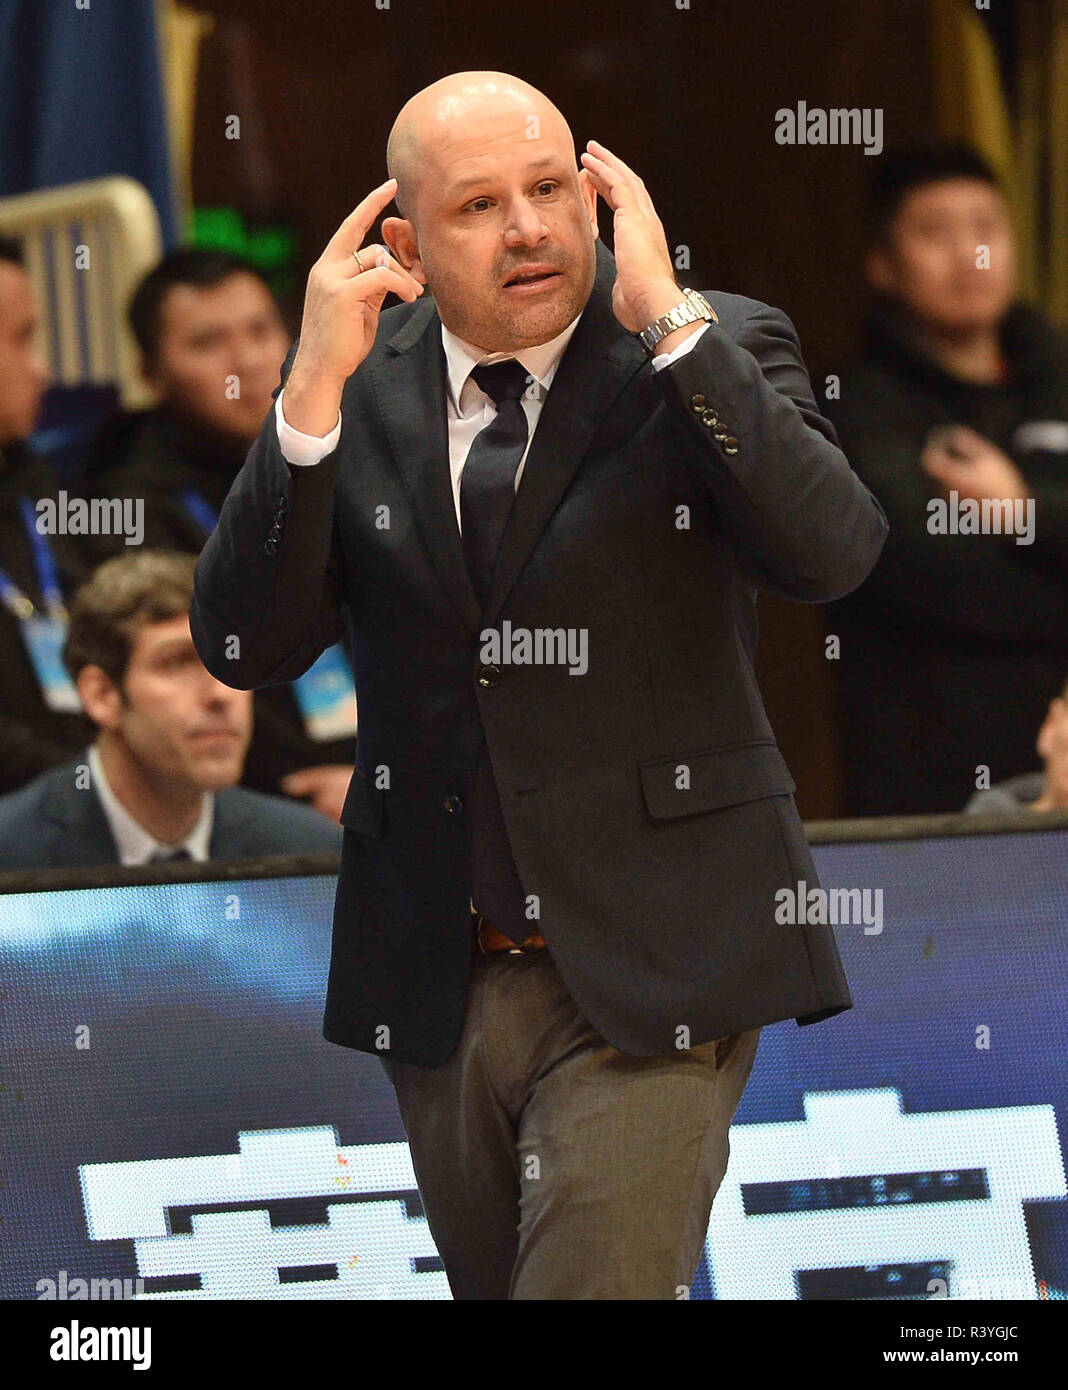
column 289, row 1215
column 175, row 1125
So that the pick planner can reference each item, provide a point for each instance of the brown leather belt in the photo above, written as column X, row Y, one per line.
column 487, row 939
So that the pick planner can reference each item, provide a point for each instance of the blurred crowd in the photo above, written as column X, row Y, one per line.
column 116, row 745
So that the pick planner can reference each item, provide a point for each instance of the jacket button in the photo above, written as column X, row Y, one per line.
column 270, row 546
column 453, row 805
column 719, row 434
column 489, row 676
column 709, row 416
column 698, row 402
column 282, row 506
column 730, row 445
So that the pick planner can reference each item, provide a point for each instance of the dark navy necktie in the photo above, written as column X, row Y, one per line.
column 163, row 856
column 487, row 483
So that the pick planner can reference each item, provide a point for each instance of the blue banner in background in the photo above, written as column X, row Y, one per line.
column 81, row 97
column 173, row 1125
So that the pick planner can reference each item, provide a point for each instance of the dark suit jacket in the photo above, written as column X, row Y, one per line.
column 656, row 898
column 51, row 823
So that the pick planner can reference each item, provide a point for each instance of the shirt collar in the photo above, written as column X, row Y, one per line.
column 540, row 362
column 134, row 843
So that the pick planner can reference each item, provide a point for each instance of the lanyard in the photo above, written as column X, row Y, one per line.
column 45, row 565
column 198, row 507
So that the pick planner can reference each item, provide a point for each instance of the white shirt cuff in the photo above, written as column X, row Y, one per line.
column 664, row 359
column 305, row 449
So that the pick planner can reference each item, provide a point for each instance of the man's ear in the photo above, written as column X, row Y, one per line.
column 100, row 696
column 149, row 376
column 400, row 236
column 879, row 270
column 589, row 197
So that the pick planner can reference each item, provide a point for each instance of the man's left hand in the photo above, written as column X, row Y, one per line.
column 645, row 284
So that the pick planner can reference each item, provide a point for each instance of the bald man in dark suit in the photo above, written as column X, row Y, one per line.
column 542, row 501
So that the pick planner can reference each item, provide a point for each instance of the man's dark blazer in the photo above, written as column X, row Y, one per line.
column 53, row 823
column 648, row 808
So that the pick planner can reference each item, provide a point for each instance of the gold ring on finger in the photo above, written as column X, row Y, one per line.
column 358, row 261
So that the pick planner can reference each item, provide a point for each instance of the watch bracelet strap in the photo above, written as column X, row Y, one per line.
column 666, row 325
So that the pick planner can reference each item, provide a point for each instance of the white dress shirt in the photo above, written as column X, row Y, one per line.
column 470, row 409
column 135, row 844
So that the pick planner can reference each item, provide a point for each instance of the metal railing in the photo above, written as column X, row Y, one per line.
column 87, row 245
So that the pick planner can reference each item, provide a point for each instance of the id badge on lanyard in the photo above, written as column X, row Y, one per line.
column 325, row 693
column 44, row 636
column 43, row 633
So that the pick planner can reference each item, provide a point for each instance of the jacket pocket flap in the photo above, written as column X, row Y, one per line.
column 712, row 778
column 363, row 806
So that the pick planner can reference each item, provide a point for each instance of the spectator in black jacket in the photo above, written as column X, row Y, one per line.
column 952, row 649
column 41, row 724
column 212, row 342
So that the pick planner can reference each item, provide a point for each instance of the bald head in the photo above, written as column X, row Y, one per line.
column 430, row 124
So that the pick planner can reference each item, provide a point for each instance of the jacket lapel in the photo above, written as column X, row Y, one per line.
column 411, row 391
column 410, row 388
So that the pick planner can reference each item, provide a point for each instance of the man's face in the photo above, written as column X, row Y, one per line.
column 23, row 373
column 180, row 723
column 220, row 351
column 931, row 266
column 492, row 200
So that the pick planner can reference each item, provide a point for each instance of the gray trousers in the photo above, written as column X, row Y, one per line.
column 551, row 1165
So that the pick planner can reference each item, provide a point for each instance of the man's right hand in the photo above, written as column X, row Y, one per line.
column 341, row 309
column 963, row 461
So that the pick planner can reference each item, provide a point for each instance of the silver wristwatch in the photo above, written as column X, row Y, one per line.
column 695, row 306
